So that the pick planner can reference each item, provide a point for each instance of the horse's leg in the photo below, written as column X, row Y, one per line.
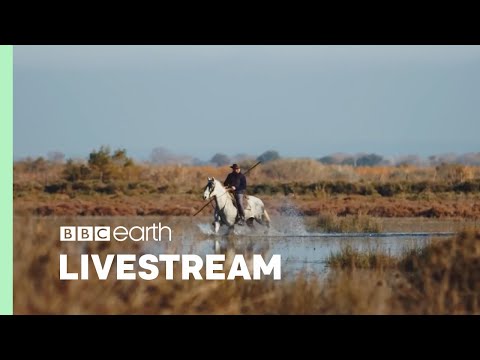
column 216, row 247
column 231, row 231
column 250, row 223
column 216, row 226
column 266, row 218
column 216, row 221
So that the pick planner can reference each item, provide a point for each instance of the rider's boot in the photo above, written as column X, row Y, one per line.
column 241, row 221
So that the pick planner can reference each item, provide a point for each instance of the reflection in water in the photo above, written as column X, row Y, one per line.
column 300, row 250
column 298, row 253
column 245, row 247
column 309, row 254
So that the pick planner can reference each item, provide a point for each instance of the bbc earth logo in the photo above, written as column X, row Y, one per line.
column 119, row 233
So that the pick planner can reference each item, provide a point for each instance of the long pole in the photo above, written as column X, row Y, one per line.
column 246, row 172
column 204, row 206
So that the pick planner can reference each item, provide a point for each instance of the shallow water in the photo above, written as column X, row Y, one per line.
column 301, row 250
column 307, row 254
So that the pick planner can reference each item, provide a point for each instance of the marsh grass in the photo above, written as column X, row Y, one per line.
column 44, row 188
column 444, row 278
column 445, row 274
column 329, row 222
column 350, row 258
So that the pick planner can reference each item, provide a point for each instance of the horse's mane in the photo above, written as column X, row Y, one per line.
column 221, row 186
column 218, row 182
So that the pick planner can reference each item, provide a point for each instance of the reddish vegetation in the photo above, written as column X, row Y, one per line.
column 44, row 189
column 188, row 205
column 107, row 207
column 392, row 207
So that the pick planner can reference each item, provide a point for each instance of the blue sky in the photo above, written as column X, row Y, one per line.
column 303, row 101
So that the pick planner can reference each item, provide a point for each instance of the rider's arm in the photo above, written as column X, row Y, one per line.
column 227, row 181
column 243, row 183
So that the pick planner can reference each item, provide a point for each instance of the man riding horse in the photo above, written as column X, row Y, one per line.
column 237, row 182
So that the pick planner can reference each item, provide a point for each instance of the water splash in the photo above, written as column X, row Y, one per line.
column 292, row 220
column 206, row 229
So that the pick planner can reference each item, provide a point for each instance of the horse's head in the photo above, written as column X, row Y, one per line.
column 209, row 189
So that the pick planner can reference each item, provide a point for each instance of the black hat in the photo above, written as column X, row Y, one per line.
column 235, row 166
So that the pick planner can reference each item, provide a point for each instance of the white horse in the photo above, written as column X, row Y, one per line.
column 226, row 211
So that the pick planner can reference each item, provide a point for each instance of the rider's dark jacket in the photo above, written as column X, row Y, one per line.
column 238, row 180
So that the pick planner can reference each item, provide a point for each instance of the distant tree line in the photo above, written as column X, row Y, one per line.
column 355, row 160
column 376, row 160
column 163, row 156
column 221, row 159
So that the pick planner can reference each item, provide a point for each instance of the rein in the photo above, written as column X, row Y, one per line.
column 216, row 197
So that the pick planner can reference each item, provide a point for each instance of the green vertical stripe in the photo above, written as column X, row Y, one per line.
column 6, row 180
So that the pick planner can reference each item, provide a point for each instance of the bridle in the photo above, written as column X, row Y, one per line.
column 211, row 187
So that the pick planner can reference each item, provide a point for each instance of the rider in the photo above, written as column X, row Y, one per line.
column 237, row 182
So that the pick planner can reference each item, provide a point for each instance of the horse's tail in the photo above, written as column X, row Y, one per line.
column 266, row 217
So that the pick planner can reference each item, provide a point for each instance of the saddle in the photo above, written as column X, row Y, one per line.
column 246, row 204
